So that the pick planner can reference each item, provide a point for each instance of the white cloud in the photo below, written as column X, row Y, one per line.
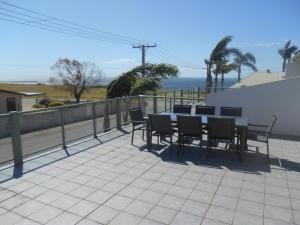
column 120, row 61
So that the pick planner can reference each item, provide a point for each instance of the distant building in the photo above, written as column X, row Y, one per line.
column 12, row 101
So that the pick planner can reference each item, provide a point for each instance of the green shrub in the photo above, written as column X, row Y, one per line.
column 54, row 104
column 38, row 106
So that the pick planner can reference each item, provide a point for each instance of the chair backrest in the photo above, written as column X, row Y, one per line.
column 231, row 111
column 221, row 128
column 271, row 125
column 182, row 109
column 136, row 116
column 205, row 109
column 190, row 125
column 160, row 123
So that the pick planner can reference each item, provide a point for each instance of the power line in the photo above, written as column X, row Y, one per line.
column 86, row 28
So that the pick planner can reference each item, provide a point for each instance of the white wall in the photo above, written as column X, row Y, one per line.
column 292, row 69
column 260, row 102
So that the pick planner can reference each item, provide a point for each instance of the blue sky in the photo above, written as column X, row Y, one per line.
column 189, row 29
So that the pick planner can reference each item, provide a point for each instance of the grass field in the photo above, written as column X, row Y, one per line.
column 53, row 92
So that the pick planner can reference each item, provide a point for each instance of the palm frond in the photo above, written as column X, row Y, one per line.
column 249, row 57
column 250, row 65
column 287, row 44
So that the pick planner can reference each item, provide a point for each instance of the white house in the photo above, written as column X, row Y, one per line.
column 263, row 94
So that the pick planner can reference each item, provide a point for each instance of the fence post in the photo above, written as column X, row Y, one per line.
column 165, row 101
column 118, row 113
column 94, row 119
column 62, row 124
column 16, row 138
column 198, row 94
column 142, row 103
column 181, row 95
column 193, row 95
column 154, row 103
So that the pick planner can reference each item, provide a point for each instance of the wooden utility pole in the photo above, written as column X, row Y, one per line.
column 143, row 48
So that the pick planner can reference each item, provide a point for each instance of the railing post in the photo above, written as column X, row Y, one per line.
column 193, row 95
column 154, row 103
column 94, row 119
column 106, row 123
column 16, row 138
column 165, row 101
column 142, row 104
column 62, row 124
column 118, row 113
column 198, row 94
column 181, row 95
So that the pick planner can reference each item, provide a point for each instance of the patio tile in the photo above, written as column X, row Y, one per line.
column 103, row 215
column 125, row 219
column 172, row 202
column 241, row 218
column 228, row 191
column 113, row 187
column 201, row 196
column 35, row 191
column 28, row 208
column 45, row 214
column 49, row 196
column 66, row 187
column 83, row 208
column 14, row 202
column 224, row 201
column 118, row 202
column 276, row 200
column 207, row 221
column 297, row 217
column 180, row 191
column 142, row 183
column 168, row 179
column 65, row 202
column 26, row 222
column 150, row 196
column 160, row 187
column 202, row 186
column 194, row 207
column 139, row 208
column 96, row 183
column 277, row 213
column 183, row 218
column 10, row 218
column 5, row 194
column 250, row 207
column 161, row 214
column 82, row 191
column 220, row 214
column 268, row 221
column 252, row 196
column 99, row 196
column 131, row 192
column 65, row 218
column 87, row 222
column 149, row 222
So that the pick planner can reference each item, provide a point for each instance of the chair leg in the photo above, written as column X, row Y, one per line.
column 132, row 137
column 143, row 135
column 171, row 144
column 268, row 153
column 158, row 140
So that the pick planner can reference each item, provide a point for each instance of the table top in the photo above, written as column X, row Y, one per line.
column 239, row 121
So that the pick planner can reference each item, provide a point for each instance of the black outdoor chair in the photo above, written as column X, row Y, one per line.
column 220, row 130
column 261, row 133
column 138, row 122
column 187, row 109
column 160, row 126
column 231, row 111
column 189, row 126
column 205, row 110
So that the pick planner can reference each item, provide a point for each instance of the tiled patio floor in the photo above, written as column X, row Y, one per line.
column 119, row 184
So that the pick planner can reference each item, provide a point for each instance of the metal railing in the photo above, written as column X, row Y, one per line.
column 25, row 133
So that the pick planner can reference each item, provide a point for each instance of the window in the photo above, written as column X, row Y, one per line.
column 11, row 104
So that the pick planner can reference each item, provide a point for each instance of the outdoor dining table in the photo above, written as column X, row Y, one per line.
column 241, row 124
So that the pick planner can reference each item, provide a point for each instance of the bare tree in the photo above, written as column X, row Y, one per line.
column 75, row 76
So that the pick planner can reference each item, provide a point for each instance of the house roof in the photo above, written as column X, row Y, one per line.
column 22, row 93
column 256, row 78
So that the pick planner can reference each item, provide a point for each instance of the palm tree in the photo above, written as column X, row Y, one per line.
column 246, row 59
column 140, row 79
column 286, row 53
column 220, row 52
column 223, row 68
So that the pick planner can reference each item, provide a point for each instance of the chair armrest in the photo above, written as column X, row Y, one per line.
column 258, row 132
column 138, row 121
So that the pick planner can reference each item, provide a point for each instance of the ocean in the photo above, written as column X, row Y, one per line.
column 188, row 82
column 169, row 84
